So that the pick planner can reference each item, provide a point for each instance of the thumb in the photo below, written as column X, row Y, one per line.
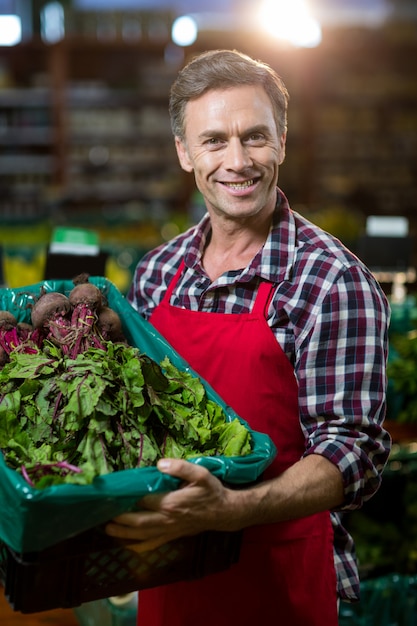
column 186, row 471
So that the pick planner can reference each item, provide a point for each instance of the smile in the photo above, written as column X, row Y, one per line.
column 240, row 186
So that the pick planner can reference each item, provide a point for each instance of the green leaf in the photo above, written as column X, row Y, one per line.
column 83, row 393
column 92, row 451
column 106, row 411
column 30, row 387
column 9, row 422
column 172, row 448
column 234, row 439
column 30, row 365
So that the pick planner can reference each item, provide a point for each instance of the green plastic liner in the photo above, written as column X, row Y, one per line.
column 32, row 520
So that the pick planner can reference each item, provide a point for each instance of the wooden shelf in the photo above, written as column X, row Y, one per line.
column 352, row 116
column 99, row 96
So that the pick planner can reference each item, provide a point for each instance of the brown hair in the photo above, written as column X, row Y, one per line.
column 222, row 69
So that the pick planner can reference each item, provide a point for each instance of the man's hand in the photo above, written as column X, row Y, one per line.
column 311, row 485
column 200, row 504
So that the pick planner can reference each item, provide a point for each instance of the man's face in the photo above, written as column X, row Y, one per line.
column 233, row 146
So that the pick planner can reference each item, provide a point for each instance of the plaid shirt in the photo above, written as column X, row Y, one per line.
column 330, row 317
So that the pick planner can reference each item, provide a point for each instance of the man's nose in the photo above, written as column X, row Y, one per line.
column 236, row 156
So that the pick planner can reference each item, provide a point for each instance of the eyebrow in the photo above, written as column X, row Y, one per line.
column 258, row 128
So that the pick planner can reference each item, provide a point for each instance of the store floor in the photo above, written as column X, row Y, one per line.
column 61, row 617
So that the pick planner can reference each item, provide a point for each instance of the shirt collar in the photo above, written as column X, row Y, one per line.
column 275, row 259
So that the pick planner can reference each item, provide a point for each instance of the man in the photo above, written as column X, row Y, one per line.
column 290, row 329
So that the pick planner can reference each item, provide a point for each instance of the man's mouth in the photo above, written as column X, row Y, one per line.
column 240, row 186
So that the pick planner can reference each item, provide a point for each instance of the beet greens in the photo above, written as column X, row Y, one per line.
column 75, row 404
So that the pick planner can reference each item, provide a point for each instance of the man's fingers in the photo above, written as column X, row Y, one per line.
column 138, row 544
column 165, row 516
column 186, row 471
column 146, row 546
column 147, row 520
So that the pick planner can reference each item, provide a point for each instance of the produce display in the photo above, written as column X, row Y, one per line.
column 78, row 401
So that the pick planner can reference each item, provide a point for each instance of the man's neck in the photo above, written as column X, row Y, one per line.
column 232, row 246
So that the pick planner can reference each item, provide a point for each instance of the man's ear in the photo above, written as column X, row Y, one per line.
column 283, row 141
column 183, row 157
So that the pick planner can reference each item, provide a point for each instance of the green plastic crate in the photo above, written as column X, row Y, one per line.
column 32, row 519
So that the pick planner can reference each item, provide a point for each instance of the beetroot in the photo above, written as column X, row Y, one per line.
column 86, row 301
column 24, row 329
column 51, row 306
column 7, row 320
column 110, row 325
column 86, row 293
column 8, row 335
column 12, row 336
column 4, row 357
column 74, row 323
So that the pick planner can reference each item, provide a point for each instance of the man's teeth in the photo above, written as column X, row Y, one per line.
column 244, row 185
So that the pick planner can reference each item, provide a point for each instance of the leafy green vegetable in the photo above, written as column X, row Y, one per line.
column 68, row 419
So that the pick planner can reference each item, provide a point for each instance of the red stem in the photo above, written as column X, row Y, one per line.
column 26, row 476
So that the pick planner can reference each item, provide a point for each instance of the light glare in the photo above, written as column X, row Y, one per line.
column 184, row 31
column 10, row 30
column 290, row 21
column 52, row 22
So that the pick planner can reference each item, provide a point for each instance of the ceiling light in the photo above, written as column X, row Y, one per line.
column 184, row 30
column 10, row 30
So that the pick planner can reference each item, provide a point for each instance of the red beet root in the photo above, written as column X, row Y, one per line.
column 7, row 320
column 50, row 306
column 110, row 325
column 86, row 293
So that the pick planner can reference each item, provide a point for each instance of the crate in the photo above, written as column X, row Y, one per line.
column 92, row 566
column 34, row 519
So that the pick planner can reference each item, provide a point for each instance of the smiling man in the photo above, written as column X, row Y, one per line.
column 233, row 146
column 290, row 328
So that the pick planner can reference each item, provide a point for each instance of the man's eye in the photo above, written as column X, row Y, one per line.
column 256, row 137
column 214, row 143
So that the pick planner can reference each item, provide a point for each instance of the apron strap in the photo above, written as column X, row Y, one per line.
column 263, row 299
column 173, row 282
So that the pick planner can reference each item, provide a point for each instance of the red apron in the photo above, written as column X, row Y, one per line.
column 285, row 575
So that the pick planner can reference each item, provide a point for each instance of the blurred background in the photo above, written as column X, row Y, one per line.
column 88, row 173
column 85, row 141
